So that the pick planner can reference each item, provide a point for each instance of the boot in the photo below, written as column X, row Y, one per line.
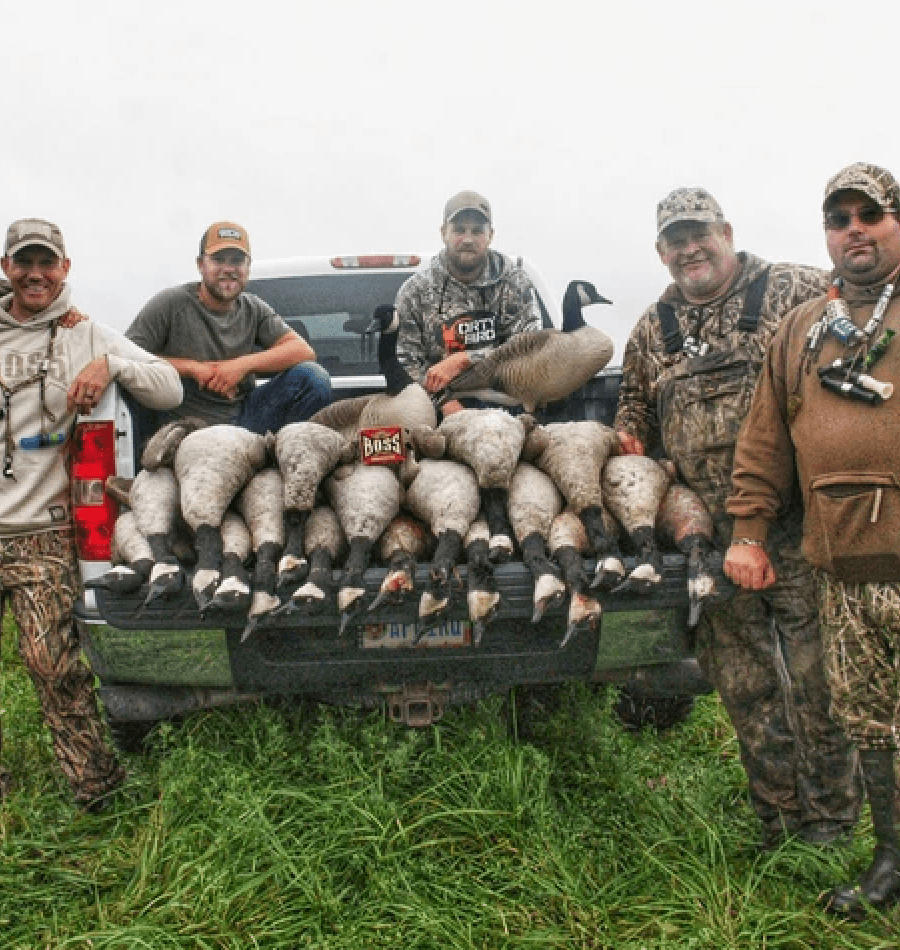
column 880, row 884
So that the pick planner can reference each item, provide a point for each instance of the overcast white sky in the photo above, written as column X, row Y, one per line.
column 342, row 127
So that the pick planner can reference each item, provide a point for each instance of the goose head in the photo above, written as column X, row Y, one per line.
column 579, row 293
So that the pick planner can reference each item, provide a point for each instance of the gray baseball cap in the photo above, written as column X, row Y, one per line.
column 28, row 231
column 467, row 201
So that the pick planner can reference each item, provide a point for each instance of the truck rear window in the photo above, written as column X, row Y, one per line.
column 332, row 312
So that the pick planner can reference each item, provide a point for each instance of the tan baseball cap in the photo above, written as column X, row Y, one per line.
column 467, row 201
column 222, row 235
column 28, row 231
column 874, row 182
column 687, row 204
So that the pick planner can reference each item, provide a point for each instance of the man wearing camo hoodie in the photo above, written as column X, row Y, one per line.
column 50, row 371
column 688, row 373
column 469, row 300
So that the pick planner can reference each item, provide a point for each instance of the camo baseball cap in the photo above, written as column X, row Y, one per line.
column 467, row 201
column 874, row 182
column 28, row 231
column 224, row 234
column 687, row 204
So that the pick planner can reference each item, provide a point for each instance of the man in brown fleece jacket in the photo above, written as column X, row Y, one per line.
column 824, row 421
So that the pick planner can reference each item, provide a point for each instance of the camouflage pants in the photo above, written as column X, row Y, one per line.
column 38, row 579
column 861, row 626
column 763, row 652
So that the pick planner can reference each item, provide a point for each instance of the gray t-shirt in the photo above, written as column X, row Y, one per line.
column 175, row 323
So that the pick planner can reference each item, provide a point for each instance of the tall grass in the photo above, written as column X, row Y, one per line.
column 290, row 826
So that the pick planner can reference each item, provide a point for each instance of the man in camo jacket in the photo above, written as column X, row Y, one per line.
column 469, row 300
column 688, row 374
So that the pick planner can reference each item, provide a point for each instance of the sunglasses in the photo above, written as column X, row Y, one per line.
column 840, row 220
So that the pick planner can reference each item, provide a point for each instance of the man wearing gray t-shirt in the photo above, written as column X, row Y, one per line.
column 218, row 337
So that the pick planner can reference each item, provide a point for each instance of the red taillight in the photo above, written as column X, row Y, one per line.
column 94, row 512
column 377, row 260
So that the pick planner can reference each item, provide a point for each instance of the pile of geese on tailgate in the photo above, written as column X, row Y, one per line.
column 481, row 488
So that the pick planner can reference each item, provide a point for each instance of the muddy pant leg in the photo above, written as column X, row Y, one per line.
column 828, row 778
column 41, row 584
column 738, row 653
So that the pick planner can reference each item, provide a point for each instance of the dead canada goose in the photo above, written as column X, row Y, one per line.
column 568, row 541
column 405, row 541
column 534, row 501
column 445, row 496
column 260, row 505
column 540, row 366
column 365, row 498
column 573, row 455
column 683, row 520
column 490, row 442
column 324, row 545
column 482, row 596
column 233, row 591
column 404, row 401
column 307, row 453
column 155, row 504
column 163, row 444
column 212, row 465
column 131, row 556
column 633, row 487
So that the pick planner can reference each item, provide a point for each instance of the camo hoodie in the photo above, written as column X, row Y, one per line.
column 431, row 303
column 36, row 498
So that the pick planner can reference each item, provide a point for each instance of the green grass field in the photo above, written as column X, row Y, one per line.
column 302, row 826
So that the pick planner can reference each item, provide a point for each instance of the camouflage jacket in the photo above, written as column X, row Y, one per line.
column 431, row 302
column 646, row 364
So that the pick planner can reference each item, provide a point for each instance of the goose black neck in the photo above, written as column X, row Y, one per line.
column 573, row 317
column 395, row 374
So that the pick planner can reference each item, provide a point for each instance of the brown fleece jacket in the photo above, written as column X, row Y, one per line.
column 842, row 454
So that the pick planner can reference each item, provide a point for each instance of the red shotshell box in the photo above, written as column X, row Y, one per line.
column 382, row 446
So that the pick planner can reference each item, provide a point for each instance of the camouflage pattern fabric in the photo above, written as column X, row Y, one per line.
column 38, row 577
column 801, row 768
column 875, row 182
column 430, row 301
column 646, row 365
column 861, row 629
column 687, row 204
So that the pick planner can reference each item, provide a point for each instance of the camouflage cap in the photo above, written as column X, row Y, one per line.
column 687, row 204
column 28, row 231
column 467, row 201
column 874, row 182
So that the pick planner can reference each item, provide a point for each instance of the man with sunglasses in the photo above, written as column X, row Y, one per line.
column 688, row 374
column 469, row 300
column 824, row 423
column 219, row 337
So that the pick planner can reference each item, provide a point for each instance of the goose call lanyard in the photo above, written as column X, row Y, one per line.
column 8, row 392
column 846, row 376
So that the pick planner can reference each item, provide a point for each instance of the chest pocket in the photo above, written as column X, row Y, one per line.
column 701, row 406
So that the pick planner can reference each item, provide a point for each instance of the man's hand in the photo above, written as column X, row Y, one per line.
column 88, row 386
column 630, row 444
column 439, row 375
column 451, row 406
column 225, row 376
column 72, row 317
column 748, row 566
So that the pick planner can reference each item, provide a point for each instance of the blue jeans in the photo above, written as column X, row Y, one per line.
column 291, row 396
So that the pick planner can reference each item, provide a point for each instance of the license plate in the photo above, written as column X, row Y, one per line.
column 456, row 633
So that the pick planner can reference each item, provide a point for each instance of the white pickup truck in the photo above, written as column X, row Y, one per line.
column 165, row 659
